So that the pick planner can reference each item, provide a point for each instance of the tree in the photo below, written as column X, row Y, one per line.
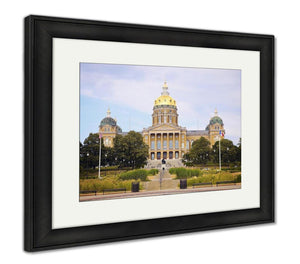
column 130, row 150
column 228, row 151
column 200, row 152
column 239, row 151
column 89, row 152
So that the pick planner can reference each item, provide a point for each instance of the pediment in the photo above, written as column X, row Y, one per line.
column 164, row 128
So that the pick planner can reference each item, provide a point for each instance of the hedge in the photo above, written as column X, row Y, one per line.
column 183, row 173
column 134, row 175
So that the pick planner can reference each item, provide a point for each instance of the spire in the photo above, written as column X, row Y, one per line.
column 108, row 112
column 165, row 89
column 216, row 112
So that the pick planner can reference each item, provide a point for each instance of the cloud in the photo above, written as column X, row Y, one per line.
column 197, row 91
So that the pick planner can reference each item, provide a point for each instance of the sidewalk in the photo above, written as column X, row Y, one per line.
column 144, row 193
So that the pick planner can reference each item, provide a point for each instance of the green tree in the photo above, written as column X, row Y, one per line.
column 130, row 150
column 239, row 151
column 89, row 152
column 228, row 151
column 200, row 152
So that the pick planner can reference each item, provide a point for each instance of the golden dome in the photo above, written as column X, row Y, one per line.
column 165, row 98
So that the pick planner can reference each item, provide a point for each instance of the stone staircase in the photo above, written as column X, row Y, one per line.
column 170, row 163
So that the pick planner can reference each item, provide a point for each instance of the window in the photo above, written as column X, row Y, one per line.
column 170, row 144
column 152, row 144
column 165, row 119
column 165, row 144
column 176, row 143
column 152, row 156
column 159, row 119
column 187, row 144
column 158, row 144
column 182, row 145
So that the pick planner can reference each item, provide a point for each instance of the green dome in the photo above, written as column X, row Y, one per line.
column 119, row 130
column 108, row 121
column 216, row 120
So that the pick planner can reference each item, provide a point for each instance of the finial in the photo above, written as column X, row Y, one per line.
column 165, row 89
column 108, row 112
column 216, row 112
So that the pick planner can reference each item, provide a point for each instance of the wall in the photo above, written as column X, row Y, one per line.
column 255, row 244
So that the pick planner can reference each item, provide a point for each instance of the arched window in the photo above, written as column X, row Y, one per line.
column 187, row 144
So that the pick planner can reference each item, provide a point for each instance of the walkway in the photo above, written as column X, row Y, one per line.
column 158, row 192
column 161, row 181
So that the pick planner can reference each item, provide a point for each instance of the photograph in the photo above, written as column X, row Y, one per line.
column 148, row 130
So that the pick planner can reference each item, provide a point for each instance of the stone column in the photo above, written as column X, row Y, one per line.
column 180, row 135
column 168, row 145
column 174, row 149
column 155, row 153
column 161, row 145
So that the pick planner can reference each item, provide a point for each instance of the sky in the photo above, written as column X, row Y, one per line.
column 130, row 90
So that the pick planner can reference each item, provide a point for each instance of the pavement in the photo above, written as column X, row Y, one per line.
column 145, row 193
column 161, row 181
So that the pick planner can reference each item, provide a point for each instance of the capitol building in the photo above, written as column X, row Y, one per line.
column 165, row 137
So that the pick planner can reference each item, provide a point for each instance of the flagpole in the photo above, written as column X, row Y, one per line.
column 220, row 152
column 99, row 176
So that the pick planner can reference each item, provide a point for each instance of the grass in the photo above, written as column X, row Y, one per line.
column 100, row 185
column 183, row 173
column 125, row 174
column 140, row 174
column 215, row 177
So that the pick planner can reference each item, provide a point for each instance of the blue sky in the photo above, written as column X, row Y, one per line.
column 130, row 90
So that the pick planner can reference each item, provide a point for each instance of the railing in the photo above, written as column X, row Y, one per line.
column 203, row 183
column 225, row 182
column 114, row 190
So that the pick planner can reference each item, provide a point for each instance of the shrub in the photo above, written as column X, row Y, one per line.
column 213, row 177
column 152, row 172
column 100, row 185
column 134, row 175
column 183, row 173
column 238, row 178
column 172, row 170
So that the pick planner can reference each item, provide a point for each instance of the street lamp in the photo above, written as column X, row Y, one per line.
column 87, row 164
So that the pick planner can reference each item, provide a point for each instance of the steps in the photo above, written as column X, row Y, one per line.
column 170, row 163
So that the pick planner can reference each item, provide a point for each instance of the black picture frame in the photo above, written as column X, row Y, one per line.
column 39, row 32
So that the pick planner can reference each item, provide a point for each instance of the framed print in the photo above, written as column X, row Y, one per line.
column 135, row 131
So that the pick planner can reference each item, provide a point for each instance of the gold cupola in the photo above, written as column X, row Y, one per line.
column 165, row 98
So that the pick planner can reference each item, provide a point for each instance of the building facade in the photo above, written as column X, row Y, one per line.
column 165, row 137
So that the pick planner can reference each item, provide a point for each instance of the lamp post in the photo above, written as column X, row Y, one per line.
column 220, row 152
column 87, row 164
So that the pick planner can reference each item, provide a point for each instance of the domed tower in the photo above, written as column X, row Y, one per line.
column 109, row 128
column 215, row 128
column 165, row 138
column 165, row 109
